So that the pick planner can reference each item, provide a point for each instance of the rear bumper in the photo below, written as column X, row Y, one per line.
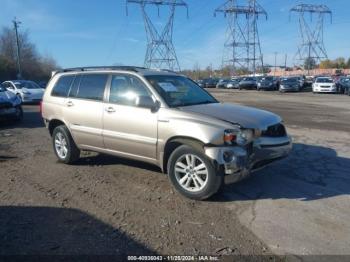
column 238, row 162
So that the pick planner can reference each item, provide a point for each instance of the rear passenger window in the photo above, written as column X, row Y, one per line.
column 92, row 87
column 62, row 86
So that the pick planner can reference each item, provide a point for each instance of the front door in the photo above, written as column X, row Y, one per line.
column 129, row 130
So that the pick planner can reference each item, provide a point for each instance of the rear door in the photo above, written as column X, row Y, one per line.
column 129, row 129
column 84, row 109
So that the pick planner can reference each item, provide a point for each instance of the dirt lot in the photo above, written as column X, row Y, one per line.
column 107, row 205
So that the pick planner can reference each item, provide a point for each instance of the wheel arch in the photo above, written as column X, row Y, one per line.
column 53, row 123
column 175, row 142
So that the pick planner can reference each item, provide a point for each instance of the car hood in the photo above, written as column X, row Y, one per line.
column 246, row 117
column 35, row 91
column 6, row 96
column 266, row 82
column 248, row 82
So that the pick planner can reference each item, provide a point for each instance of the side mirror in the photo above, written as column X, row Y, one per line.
column 147, row 102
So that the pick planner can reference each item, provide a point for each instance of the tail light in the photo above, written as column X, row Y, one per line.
column 41, row 108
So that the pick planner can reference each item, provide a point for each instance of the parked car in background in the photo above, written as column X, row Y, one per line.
column 42, row 84
column 164, row 119
column 248, row 83
column 267, row 83
column 210, row 83
column 309, row 80
column 289, row 84
column 343, row 85
column 28, row 91
column 222, row 83
column 324, row 85
column 301, row 80
column 10, row 105
column 233, row 84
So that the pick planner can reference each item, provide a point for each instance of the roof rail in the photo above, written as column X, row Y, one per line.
column 92, row 68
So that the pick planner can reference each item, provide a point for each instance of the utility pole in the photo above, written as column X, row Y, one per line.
column 275, row 63
column 16, row 24
column 285, row 64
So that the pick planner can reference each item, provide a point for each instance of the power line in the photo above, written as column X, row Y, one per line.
column 242, row 47
column 311, row 48
column 160, row 48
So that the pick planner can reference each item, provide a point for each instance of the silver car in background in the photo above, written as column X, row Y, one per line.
column 164, row 119
column 28, row 91
column 290, row 84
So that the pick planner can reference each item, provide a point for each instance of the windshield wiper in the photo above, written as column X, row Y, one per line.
column 201, row 103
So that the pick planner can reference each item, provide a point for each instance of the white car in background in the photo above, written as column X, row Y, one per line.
column 324, row 85
column 28, row 91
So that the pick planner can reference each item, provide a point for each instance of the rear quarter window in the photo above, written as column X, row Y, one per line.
column 92, row 87
column 62, row 86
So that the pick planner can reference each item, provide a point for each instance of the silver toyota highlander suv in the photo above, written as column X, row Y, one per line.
column 162, row 118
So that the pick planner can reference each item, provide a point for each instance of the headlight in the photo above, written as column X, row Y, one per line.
column 244, row 137
column 241, row 137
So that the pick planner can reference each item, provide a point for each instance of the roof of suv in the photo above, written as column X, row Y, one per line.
column 139, row 70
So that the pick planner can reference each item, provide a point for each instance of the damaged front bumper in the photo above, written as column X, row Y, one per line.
column 238, row 162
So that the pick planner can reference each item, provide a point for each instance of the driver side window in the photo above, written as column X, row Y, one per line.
column 8, row 86
column 126, row 90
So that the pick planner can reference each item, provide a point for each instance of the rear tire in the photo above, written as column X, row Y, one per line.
column 193, row 174
column 19, row 114
column 64, row 146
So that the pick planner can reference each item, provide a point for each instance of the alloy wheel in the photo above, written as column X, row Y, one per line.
column 191, row 173
column 61, row 145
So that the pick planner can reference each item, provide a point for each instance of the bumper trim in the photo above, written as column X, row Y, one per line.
column 238, row 164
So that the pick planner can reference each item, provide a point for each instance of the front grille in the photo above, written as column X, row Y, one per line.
column 5, row 105
column 275, row 131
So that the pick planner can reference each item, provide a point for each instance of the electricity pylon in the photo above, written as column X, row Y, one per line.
column 311, row 47
column 242, row 46
column 160, row 52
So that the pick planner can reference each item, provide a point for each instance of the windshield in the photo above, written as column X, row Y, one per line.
column 289, row 80
column 179, row 91
column 248, row 79
column 267, row 79
column 27, row 85
column 2, row 88
column 324, row 80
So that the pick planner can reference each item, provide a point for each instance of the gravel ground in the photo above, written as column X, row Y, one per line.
column 108, row 205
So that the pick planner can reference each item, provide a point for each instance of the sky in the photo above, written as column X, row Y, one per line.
column 92, row 33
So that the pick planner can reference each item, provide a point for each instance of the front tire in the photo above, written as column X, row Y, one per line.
column 193, row 174
column 64, row 146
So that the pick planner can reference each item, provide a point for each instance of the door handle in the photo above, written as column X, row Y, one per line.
column 70, row 103
column 110, row 109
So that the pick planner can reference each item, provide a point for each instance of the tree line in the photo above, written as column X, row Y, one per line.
column 34, row 66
